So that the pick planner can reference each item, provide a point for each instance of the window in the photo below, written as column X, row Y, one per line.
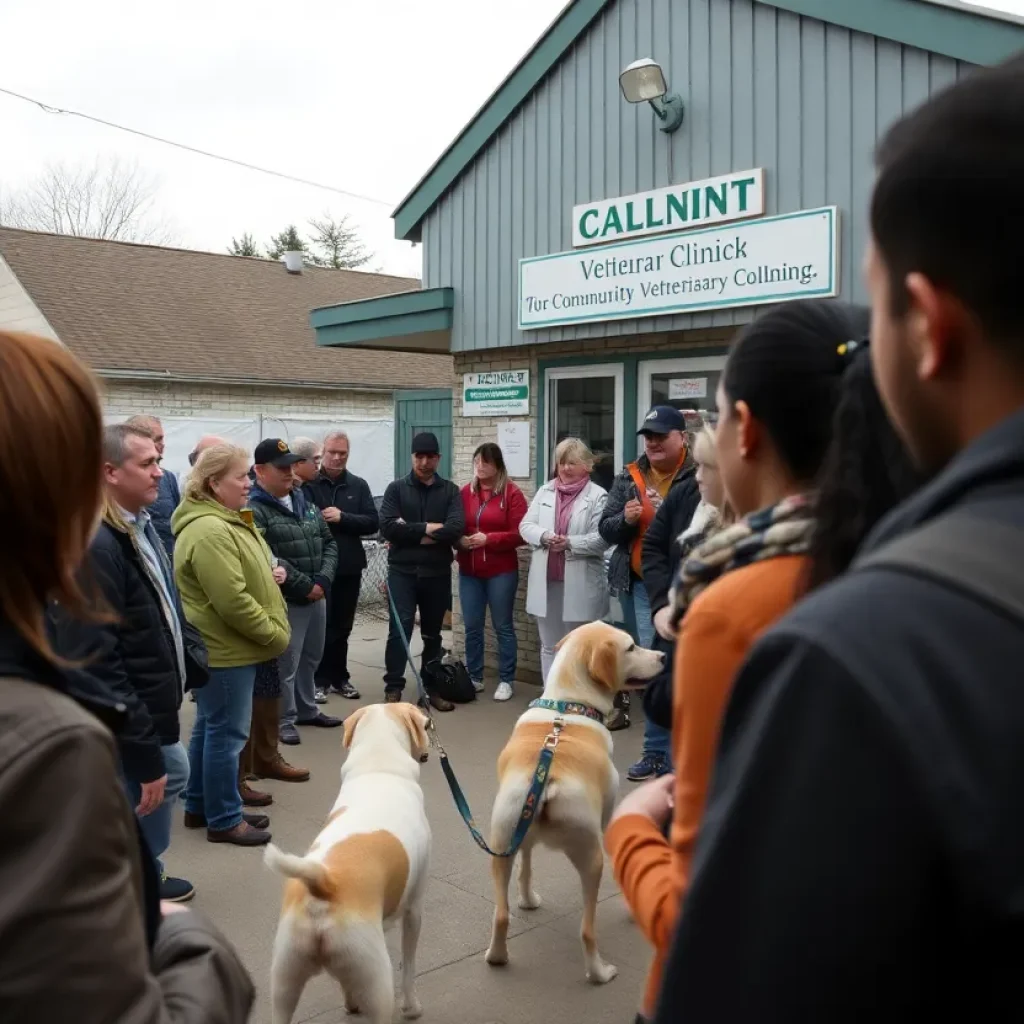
column 586, row 402
column 686, row 384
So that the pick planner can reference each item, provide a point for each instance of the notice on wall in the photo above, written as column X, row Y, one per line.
column 775, row 259
column 499, row 393
column 514, row 442
column 687, row 387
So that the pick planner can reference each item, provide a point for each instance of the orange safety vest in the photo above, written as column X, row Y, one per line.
column 646, row 518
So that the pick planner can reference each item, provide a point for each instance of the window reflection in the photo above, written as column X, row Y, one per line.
column 585, row 408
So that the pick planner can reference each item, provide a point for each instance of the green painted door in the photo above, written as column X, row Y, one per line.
column 416, row 411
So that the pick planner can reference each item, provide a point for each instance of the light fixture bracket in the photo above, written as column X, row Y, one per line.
column 670, row 111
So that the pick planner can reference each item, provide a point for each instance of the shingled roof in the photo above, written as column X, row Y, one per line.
column 121, row 306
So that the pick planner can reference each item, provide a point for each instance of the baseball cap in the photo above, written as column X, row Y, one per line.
column 663, row 419
column 275, row 452
column 425, row 444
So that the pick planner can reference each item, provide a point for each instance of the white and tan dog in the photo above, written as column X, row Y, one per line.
column 367, row 869
column 592, row 664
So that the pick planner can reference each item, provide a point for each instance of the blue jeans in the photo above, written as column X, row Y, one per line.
column 223, row 713
column 638, row 611
column 156, row 827
column 499, row 594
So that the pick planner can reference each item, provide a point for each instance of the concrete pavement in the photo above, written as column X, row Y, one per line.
column 544, row 979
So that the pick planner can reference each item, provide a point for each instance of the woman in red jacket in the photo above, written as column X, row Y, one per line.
column 489, row 565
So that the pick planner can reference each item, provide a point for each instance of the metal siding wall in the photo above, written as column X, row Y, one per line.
column 762, row 87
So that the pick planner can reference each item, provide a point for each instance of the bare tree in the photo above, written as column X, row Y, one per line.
column 109, row 199
column 336, row 244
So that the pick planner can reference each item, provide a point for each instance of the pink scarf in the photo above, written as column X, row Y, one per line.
column 565, row 498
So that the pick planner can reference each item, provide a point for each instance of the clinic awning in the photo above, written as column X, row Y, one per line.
column 419, row 321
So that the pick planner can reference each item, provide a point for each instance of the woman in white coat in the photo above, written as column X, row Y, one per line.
column 567, row 579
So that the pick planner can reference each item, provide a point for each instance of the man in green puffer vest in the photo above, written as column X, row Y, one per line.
column 301, row 541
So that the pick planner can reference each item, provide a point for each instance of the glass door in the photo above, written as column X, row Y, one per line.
column 586, row 402
column 689, row 385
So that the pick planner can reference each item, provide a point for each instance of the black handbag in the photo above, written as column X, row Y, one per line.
column 450, row 681
column 197, row 657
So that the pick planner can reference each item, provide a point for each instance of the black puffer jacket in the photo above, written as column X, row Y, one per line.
column 300, row 539
column 407, row 508
column 350, row 494
column 614, row 528
column 134, row 657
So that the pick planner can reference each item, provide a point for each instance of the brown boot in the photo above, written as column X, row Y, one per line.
column 253, row 797
column 282, row 771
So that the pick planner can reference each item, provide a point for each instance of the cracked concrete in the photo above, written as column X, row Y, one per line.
column 544, row 979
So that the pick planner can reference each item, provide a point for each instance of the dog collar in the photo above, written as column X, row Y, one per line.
column 568, row 707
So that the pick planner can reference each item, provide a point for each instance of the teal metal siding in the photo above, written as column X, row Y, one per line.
column 416, row 411
column 763, row 87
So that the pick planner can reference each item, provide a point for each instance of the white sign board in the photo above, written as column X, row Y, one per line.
column 776, row 259
column 498, row 393
column 687, row 387
column 711, row 201
column 514, row 442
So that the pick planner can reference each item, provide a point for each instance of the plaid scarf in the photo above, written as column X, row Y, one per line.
column 782, row 529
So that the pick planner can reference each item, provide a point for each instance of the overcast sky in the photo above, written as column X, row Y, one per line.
column 363, row 96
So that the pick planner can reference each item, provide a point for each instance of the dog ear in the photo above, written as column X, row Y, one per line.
column 604, row 664
column 416, row 723
column 350, row 725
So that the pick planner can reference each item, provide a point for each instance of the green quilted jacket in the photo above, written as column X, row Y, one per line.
column 301, row 541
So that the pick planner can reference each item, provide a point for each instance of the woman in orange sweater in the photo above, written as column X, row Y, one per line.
column 776, row 400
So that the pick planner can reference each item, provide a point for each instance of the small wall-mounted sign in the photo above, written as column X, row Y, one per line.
column 499, row 393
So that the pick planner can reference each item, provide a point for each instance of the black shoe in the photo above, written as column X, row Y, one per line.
column 175, row 890
column 345, row 689
column 289, row 735
column 243, row 834
column 199, row 820
column 322, row 721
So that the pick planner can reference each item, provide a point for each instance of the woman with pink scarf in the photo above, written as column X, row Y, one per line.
column 567, row 584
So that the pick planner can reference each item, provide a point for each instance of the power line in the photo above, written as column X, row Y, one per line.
column 47, row 108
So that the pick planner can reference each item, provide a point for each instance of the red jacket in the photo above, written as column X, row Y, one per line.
column 499, row 517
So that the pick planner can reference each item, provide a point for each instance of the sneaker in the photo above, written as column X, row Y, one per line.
column 321, row 721
column 346, row 690
column 650, row 766
column 618, row 719
column 280, row 770
column 503, row 692
column 175, row 890
column 320, row 696
column 392, row 696
column 289, row 735
column 243, row 834
column 478, row 685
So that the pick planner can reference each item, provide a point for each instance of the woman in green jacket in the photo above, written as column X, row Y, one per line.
column 229, row 590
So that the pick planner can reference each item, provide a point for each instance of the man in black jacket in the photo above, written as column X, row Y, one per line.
column 345, row 501
column 633, row 501
column 141, row 655
column 862, row 854
column 422, row 520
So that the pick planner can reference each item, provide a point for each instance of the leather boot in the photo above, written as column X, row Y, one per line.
column 267, row 760
column 253, row 797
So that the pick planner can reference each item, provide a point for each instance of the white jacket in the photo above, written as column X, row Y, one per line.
column 586, row 589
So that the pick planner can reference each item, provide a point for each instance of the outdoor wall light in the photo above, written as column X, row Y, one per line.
column 644, row 82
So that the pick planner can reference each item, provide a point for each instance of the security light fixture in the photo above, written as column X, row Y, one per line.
column 644, row 82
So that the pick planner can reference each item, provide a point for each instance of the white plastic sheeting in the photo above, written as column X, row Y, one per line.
column 372, row 441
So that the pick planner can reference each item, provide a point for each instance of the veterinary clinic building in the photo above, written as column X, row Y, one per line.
column 591, row 246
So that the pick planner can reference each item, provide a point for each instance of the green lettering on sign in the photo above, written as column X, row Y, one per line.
column 496, row 394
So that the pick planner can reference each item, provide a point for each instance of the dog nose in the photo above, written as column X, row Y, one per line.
column 424, row 758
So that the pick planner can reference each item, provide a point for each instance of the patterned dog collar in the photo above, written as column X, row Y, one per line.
column 568, row 707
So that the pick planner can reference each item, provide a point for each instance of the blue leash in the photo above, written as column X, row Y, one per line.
column 540, row 773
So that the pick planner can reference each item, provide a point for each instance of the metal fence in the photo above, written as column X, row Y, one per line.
column 373, row 601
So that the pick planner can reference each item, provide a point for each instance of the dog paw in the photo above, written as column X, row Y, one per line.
column 529, row 901
column 601, row 973
column 497, row 957
column 412, row 1009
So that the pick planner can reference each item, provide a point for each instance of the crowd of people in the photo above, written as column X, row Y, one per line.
column 829, row 824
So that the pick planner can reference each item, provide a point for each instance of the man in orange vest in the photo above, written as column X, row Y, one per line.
column 634, row 499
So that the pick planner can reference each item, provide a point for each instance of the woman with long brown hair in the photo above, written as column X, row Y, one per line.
column 83, row 933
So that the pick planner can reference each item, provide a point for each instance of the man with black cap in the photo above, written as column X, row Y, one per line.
column 633, row 501
column 301, row 541
column 421, row 518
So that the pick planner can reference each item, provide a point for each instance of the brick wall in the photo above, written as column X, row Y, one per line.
column 469, row 432
column 124, row 398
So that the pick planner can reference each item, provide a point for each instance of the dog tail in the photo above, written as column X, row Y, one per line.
column 311, row 873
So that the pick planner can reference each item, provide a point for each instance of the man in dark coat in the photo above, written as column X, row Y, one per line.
column 345, row 501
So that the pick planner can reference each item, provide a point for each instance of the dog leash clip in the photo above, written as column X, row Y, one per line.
column 551, row 740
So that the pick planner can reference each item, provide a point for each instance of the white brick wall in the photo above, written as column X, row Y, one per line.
column 124, row 398
column 469, row 432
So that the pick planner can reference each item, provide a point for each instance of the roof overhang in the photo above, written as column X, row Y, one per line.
column 419, row 321
column 972, row 34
